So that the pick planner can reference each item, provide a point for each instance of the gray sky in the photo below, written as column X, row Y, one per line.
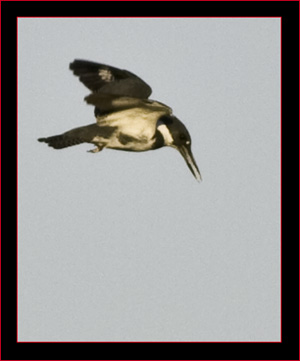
column 120, row 246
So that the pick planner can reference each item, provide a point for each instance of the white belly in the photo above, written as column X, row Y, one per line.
column 138, row 124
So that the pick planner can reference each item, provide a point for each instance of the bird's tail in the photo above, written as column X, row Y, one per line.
column 60, row 141
column 73, row 137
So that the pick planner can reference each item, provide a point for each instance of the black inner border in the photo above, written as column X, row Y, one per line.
column 288, row 349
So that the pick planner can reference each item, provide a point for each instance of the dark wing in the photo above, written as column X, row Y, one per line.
column 105, row 79
column 111, row 103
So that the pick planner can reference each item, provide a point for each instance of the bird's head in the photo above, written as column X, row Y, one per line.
column 176, row 135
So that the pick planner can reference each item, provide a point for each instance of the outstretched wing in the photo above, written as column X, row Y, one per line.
column 105, row 79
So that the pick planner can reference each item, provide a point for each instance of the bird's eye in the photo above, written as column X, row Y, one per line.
column 182, row 137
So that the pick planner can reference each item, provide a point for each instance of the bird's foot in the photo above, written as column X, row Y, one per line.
column 95, row 150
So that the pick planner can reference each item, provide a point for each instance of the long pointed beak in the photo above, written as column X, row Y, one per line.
column 186, row 152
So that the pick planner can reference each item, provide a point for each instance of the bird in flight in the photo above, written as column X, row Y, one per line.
column 125, row 118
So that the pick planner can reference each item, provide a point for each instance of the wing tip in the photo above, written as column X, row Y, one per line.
column 79, row 66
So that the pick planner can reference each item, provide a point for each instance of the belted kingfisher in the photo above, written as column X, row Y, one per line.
column 125, row 118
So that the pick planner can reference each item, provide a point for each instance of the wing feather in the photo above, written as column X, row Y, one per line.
column 111, row 103
column 101, row 78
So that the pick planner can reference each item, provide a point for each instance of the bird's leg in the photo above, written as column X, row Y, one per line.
column 96, row 150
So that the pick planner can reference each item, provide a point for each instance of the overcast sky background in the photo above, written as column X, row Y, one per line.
column 122, row 246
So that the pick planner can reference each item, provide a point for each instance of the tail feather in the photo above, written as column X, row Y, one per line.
column 75, row 136
column 61, row 141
